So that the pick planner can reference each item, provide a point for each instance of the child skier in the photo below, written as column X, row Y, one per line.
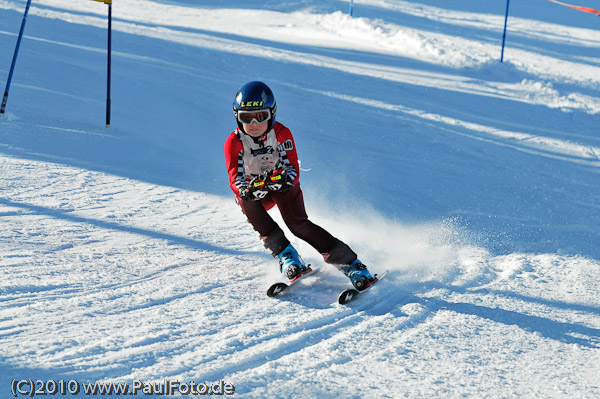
column 263, row 171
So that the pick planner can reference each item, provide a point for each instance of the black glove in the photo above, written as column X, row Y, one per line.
column 256, row 190
column 278, row 180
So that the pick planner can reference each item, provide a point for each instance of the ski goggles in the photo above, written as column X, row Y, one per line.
column 249, row 117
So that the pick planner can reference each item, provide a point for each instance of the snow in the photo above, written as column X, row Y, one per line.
column 124, row 258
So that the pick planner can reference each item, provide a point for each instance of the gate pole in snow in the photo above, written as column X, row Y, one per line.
column 504, row 35
column 108, row 51
column 351, row 7
column 14, row 60
column 108, row 71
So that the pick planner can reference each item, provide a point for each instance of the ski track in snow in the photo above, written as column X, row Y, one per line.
column 105, row 277
column 91, row 249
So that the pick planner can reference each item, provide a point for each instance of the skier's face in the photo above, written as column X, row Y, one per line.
column 255, row 129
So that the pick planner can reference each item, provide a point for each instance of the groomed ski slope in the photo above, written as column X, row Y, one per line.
column 124, row 258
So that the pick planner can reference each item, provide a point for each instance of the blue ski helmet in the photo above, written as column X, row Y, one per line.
column 254, row 96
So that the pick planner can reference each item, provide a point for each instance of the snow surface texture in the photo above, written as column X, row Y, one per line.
column 123, row 256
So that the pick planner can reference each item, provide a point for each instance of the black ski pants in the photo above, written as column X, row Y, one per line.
column 291, row 207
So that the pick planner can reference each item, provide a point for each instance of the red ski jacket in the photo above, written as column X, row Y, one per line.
column 247, row 157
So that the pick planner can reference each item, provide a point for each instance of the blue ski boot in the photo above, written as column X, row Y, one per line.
column 359, row 275
column 290, row 263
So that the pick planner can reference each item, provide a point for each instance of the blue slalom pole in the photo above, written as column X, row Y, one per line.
column 504, row 35
column 351, row 7
column 108, row 71
column 14, row 60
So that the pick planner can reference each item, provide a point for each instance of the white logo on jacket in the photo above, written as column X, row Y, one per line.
column 261, row 158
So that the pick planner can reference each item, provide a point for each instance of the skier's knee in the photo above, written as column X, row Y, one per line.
column 300, row 229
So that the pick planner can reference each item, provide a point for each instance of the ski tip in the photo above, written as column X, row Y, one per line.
column 276, row 289
column 347, row 296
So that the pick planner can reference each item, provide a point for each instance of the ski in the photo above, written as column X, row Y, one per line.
column 277, row 288
column 351, row 293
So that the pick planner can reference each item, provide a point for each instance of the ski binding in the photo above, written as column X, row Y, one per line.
column 351, row 293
